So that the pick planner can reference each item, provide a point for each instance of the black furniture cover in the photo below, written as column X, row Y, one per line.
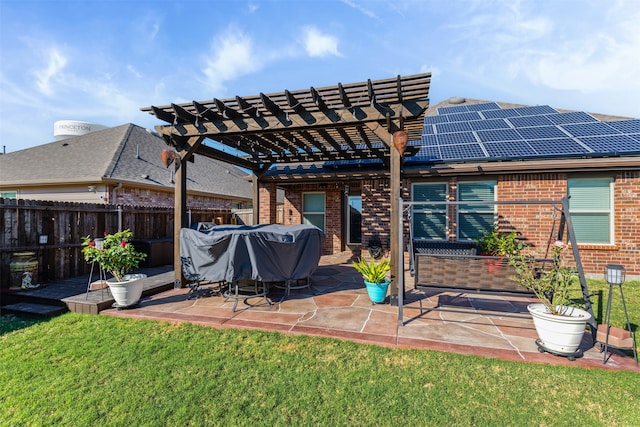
column 266, row 252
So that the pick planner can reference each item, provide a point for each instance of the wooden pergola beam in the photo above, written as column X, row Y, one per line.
column 344, row 122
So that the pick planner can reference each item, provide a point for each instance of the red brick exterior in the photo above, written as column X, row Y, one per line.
column 136, row 196
column 533, row 222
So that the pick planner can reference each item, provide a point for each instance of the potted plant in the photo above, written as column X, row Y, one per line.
column 496, row 243
column 375, row 277
column 559, row 324
column 117, row 256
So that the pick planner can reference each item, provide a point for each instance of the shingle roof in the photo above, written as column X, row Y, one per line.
column 454, row 132
column 126, row 153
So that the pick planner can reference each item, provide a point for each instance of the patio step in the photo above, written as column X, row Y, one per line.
column 33, row 309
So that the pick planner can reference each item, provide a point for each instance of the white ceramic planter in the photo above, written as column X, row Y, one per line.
column 127, row 293
column 559, row 334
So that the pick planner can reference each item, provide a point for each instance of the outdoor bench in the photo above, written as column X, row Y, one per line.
column 457, row 266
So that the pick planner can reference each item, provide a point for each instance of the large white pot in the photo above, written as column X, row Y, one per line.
column 559, row 334
column 127, row 293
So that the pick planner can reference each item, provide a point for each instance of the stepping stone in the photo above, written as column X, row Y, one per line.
column 31, row 309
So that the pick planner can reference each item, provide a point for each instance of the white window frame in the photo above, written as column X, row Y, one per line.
column 440, row 209
column 460, row 211
column 323, row 213
column 610, row 211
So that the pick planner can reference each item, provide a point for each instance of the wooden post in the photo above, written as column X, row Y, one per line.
column 180, row 217
column 256, row 198
column 396, row 217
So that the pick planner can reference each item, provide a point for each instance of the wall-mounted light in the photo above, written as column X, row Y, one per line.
column 91, row 188
column 43, row 239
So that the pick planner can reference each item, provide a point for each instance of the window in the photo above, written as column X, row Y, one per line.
column 354, row 220
column 8, row 195
column 590, row 205
column 473, row 220
column 313, row 209
column 429, row 221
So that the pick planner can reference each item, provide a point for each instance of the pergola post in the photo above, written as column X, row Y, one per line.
column 397, row 147
column 395, row 217
column 256, row 198
column 180, row 214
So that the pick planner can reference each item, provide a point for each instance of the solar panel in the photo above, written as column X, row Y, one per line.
column 462, row 151
column 612, row 143
column 455, row 138
column 573, row 117
column 626, row 126
column 590, row 129
column 428, row 140
column 508, row 149
column 453, row 127
column 498, row 135
column 530, row 121
column 535, row 110
column 453, row 109
column 483, row 107
column 489, row 124
column 500, row 114
column 435, row 119
column 425, row 154
column 558, row 146
column 541, row 132
column 464, row 117
column 427, row 130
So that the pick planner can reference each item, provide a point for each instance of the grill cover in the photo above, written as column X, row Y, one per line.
column 265, row 252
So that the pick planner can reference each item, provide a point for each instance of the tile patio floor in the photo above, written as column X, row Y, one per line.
column 337, row 306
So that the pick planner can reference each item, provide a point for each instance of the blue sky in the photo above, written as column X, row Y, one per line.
column 101, row 61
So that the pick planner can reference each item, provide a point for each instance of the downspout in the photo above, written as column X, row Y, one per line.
column 114, row 191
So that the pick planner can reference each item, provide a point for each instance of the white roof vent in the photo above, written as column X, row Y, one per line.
column 456, row 100
column 63, row 129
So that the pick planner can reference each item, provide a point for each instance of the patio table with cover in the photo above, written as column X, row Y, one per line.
column 258, row 254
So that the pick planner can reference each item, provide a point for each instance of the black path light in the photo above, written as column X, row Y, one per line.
column 614, row 274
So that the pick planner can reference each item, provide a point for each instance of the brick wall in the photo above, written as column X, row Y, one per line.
column 533, row 222
column 144, row 197
column 293, row 209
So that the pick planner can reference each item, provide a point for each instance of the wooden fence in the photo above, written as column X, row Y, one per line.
column 65, row 224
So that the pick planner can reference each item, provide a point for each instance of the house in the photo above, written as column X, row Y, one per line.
column 328, row 156
column 480, row 150
column 119, row 166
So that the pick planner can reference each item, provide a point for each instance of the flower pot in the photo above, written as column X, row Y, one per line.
column 127, row 293
column 559, row 334
column 377, row 291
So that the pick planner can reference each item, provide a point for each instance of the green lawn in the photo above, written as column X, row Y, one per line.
column 83, row 370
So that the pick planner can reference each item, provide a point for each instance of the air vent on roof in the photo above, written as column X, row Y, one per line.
column 455, row 100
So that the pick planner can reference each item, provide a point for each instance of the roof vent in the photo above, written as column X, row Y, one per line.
column 456, row 100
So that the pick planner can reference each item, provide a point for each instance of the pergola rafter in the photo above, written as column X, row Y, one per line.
column 318, row 124
column 342, row 122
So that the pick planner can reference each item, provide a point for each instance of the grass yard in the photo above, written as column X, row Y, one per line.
column 82, row 370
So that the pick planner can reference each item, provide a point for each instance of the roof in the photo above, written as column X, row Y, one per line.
column 353, row 121
column 458, row 133
column 126, row 153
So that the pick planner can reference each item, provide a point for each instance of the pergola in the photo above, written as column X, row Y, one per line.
column 352, row 122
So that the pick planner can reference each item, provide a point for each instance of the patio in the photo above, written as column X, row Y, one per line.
column 337, row 306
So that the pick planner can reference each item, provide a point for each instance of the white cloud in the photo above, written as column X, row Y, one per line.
column 365, row 11
column 45, row 77
column 319, row 45
column 232, row 56
column 253, row 7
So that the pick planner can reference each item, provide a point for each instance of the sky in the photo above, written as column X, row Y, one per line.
column 100, row 61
